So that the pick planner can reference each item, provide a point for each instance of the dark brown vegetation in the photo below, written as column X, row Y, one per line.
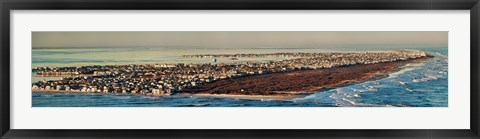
column 296, row 82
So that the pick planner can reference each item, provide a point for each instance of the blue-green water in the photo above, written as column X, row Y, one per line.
column 416, row 85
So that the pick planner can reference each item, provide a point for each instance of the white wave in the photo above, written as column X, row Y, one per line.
column 333, row 96
column 396, row 74
column 360, row 91
column 349, row 101
column 418, row 80
column 426, row 78
column 266, row 99
column 424, row 90
column 370, row 88
column 342, row 95
column 123, row 97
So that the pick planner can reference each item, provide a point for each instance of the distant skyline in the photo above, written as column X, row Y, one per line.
column 240, row 39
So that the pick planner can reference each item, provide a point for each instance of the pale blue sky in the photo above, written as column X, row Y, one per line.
column 235, row 39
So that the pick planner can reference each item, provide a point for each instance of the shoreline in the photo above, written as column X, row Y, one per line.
column 80, row 92
column 259, row 97
column 254, row 97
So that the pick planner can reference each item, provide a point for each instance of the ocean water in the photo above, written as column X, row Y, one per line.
column 117, row 56
column 416, row 85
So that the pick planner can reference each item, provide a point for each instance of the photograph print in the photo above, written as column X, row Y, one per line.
column 240, row 69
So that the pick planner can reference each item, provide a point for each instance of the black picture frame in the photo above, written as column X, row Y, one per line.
column 7, row 5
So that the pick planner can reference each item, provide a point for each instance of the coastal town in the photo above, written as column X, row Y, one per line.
column 168, row 79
